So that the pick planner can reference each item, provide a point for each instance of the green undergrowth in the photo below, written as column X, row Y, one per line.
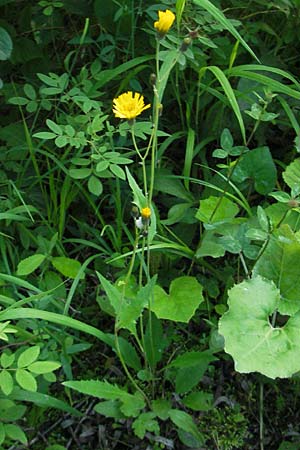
column 149, row 225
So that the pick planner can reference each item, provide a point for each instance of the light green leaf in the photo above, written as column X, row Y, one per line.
column 26, row 380
column 110, row 408
column 131, row 404
column 44, row 135
column 280, row 263
column 6, row 359
column 95, row 186
column 6, row 45
column 113, row 294
column 118, row 171
column 139, row 198
column 28, row 356
column 40, row 367
column 6, row 382
column 30, row 264
column 66, row 266
column 145, row 422
column 44, row 401
column 216, row 209
column 184, row 421
column 16, row 433
column 181, row 303
column 131, row 308
column 54, row 127
column 254, row 344
column 80, row 174
column 2, row 433
column 291, row 175
column 29, row 91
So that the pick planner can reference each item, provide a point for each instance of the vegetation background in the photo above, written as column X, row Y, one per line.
column 149, row 224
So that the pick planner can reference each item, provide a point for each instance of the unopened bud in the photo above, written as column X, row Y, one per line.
column 153, row 79
column 293, row 203
column 185, row 44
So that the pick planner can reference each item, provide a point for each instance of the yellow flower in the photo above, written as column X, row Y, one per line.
column 146, row 212
column 129, row 105
column 164, row 22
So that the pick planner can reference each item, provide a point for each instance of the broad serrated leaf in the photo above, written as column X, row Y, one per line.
column 174, row 306
column 30, row 264
column 254, row 344
column 131, row 308
column 28, row 356
column 133, row 405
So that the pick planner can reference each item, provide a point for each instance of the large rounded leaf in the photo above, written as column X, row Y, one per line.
column 180, row 305
column 251, row 340
column 280, row 263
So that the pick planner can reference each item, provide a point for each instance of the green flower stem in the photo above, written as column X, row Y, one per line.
column 143, row 159
column 129, row 376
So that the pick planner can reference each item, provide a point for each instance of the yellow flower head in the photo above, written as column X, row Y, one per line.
column 164, row 22
column 129, row 105
column 146, row 212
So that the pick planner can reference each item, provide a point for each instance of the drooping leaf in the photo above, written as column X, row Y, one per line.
column 131, row 403
column 182, row 301
column 254, row 344
column 184, row 421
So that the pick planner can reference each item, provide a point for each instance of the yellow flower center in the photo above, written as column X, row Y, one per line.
column 129, row 105
column 146, row 212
